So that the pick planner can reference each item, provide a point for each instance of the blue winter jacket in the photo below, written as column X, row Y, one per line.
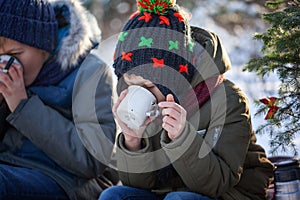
column 66, row 130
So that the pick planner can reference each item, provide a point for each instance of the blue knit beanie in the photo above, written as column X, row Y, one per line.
column 156, row 39
column 31, row 22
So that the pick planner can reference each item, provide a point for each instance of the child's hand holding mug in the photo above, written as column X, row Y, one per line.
column 12, row 86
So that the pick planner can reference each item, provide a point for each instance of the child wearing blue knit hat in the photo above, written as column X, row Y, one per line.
column 199, row 144
column 46, row 53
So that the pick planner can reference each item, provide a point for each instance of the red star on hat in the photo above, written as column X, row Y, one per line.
column 183, row 68
column 158, row 63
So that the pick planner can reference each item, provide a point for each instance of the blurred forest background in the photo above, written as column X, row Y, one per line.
column 112, row 14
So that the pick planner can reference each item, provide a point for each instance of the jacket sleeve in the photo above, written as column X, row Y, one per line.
column 139, row 169
column 213, row 164
column 59, row 137
column 4, row 112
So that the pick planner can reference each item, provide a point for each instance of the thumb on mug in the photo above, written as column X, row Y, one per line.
column 170, row 98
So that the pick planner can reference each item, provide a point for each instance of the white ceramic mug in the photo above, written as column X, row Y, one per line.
column 8, row 61
column 137, row 105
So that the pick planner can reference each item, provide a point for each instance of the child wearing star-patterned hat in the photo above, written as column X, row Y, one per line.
column 202, row 145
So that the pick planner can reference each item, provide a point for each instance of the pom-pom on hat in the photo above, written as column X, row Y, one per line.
column 157, row 7
column 156, row 38
column 31, row 22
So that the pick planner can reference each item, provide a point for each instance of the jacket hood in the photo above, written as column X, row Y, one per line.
column 214, row 61
column 82, row 31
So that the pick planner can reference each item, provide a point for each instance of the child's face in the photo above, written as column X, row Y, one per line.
column 132, row 79
column 31, row 58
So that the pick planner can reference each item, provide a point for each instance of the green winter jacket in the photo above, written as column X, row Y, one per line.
column 216, row 154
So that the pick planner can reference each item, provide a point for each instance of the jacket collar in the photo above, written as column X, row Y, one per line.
column 214, row 60
column 82, row 32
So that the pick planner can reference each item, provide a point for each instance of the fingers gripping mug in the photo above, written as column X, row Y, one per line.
column 138, row 104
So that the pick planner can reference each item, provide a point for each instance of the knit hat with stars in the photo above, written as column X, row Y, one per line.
column 156, row 44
